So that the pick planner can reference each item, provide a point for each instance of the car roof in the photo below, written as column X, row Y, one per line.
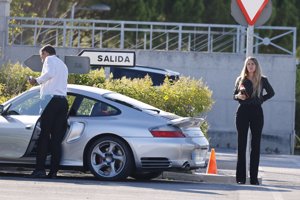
column 85, row 88
column 89, row 89
column 153, row 69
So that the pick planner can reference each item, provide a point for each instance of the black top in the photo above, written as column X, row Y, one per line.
column 248, row 89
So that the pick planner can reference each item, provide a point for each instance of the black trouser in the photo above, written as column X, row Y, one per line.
column 53, row 129
column 248, row 116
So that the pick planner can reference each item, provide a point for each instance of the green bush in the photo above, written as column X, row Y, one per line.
column 93, row 78
column 13, row 80
column 2, row 97
column 186, row 97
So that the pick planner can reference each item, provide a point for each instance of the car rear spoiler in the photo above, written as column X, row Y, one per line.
column 187, row 122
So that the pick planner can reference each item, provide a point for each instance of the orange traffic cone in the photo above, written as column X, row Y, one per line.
column 212, row 164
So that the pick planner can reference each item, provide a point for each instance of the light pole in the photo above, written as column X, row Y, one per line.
column 97, row 7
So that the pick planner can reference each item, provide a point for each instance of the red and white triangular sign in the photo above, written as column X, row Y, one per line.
column 252, row 9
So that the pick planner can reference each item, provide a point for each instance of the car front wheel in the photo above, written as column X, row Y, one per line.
column 110, row 158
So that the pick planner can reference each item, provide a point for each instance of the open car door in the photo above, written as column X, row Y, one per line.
column 17, row 123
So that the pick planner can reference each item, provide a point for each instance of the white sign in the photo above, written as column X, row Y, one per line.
column 252, row 9
column 75, row 64
column 110, row 58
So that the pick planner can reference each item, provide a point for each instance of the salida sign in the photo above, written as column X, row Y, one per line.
column 110, row 58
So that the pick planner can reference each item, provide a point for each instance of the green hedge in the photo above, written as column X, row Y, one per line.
column 13, row 80
column 185, row 97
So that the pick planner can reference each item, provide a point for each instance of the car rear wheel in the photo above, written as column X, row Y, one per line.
column 145, row 175
column 110, row 158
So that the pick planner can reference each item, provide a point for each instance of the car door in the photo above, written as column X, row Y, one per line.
column 17, row 125
column 81, row 110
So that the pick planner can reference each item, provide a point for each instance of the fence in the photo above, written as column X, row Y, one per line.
column 108, row 34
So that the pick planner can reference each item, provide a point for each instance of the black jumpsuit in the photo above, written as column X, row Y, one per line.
column 250, row 114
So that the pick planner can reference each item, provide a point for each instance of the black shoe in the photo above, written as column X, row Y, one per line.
column 52, row 175
column 254, row 182
column 240, row 180
column 38, row 173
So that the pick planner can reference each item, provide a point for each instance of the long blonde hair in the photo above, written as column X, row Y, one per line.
column 256, row 76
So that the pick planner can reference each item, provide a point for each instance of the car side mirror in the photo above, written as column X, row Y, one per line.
column 3, row 110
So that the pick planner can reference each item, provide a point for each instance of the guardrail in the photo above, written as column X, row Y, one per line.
column 108, row 34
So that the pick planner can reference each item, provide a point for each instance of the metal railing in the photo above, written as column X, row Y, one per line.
column 108, row 34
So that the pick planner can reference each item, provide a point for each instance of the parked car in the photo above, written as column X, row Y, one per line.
column 157, row 75
column 111, row 135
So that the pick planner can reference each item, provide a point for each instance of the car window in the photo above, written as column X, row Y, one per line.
column 103, row 109
column 26, row 105
column 85, row 107
column 91, row 107
column 71, row 98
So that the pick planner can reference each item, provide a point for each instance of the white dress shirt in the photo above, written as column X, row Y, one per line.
column 54, row 77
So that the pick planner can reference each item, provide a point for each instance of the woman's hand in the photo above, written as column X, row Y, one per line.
column 241, row 96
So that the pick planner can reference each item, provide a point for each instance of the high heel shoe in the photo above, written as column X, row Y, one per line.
column 52, row 175
column 254, row 182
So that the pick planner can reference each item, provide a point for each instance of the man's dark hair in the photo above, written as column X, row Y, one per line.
column 49, row 49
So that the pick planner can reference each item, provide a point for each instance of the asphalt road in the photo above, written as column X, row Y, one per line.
column 280, row 175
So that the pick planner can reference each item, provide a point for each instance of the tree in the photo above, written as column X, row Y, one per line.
column 36, row 8
column 184, row 11
column 217, row 12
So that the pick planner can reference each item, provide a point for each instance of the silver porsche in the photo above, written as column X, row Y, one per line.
column 110, row 135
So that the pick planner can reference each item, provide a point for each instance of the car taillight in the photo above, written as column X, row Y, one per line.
column 166, row 131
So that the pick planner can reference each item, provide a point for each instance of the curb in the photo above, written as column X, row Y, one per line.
column 202, row 177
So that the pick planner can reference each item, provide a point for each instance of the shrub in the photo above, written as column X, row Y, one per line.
column 13, row 78
column 93, row 78
column 186, row 97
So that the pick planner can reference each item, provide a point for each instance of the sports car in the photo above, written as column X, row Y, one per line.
column 109, row 135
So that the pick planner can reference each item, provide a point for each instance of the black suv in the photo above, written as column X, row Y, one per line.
column 157, row 75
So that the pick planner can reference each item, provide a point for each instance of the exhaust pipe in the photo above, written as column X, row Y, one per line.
column 186, row 166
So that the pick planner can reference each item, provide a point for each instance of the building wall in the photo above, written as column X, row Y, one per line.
column 4, row 12
column 219, row 71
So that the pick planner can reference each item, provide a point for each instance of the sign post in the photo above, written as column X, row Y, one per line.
column 250, row 33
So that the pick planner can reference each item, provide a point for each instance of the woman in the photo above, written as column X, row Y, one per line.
column 248, row 92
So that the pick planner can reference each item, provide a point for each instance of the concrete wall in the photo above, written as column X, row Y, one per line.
column 4, row 12
column 219, row 71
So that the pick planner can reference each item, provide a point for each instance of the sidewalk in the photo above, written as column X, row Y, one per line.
column 274, row 169
column 226, row 162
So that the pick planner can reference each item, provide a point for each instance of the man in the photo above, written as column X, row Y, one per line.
column 54, row 105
